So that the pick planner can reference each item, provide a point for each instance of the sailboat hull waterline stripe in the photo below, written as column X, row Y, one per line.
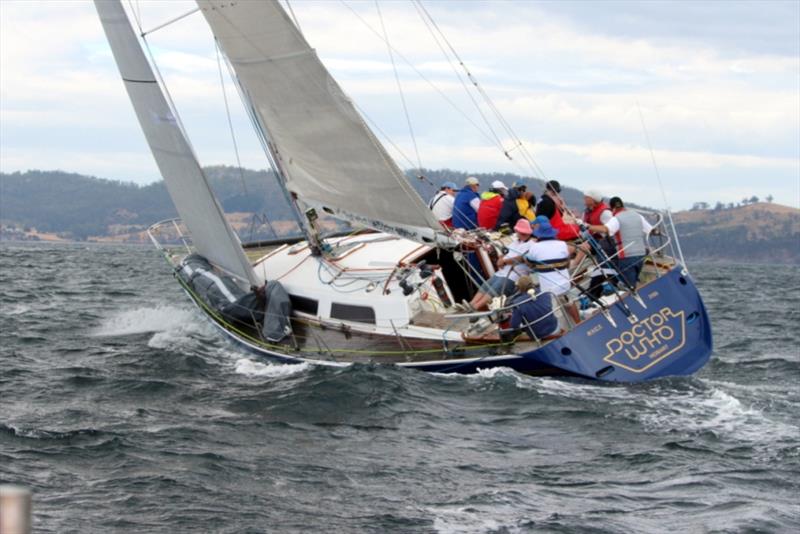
column 188, row 187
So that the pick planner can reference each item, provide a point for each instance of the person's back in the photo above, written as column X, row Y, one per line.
column 489, row 211
column 534, row 315
column 550, row 259
column 442, row 204
column 509, row 212
column 465, row 211
column 631, row 235
column 525, row 204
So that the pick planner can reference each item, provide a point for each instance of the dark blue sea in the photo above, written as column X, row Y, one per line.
column 123, row 411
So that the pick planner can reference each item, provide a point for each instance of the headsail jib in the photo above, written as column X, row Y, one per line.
column 328, row 155
column 211, row 234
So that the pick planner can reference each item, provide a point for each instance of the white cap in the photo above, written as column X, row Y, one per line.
column 497, row 184
column 472, row 181
column 594, row 195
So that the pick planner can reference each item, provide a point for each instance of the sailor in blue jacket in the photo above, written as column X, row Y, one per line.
column 533, row 314
column 465, row 209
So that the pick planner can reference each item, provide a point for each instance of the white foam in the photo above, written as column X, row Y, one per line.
column 271, row 370
column 468, row 519
column 714, row 411
column 17, row 309
column 143, row 320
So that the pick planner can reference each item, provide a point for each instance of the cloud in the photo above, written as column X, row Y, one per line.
column 721, row 104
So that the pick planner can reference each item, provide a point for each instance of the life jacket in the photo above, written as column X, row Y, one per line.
column 525, row 209
column 463, row 214
column 592, row 217
column 489, row 211
column 566, row 232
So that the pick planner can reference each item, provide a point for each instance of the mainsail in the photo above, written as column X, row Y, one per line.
column 327, row 154
column 211, row 234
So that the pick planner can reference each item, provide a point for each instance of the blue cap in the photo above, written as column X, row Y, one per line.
column 543, row 228
column 449, row 185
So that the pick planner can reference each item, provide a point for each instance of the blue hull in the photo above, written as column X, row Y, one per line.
column 669, row 335
column 666, row 334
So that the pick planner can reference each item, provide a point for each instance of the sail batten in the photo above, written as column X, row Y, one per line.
column 186, row 183
column 328, row 155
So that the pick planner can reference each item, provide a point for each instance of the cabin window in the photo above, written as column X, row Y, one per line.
column 361, row 314
column 304, row 304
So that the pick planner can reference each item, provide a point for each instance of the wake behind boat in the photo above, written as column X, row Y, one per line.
column 391, row 293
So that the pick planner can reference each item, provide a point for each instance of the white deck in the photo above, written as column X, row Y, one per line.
column 365, row 271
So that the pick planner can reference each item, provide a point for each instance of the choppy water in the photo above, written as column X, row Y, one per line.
column 123, row 411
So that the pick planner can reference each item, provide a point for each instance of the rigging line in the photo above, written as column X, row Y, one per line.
column 661, row 185
column 399, row 87
column 420, row 74
column 137, row 13
column 163, row 84
column 171, row 21
column 294, row 17
column 422, row 15
column 506, row 126
column 228, row 114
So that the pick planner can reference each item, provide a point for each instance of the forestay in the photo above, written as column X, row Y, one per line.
column 211, row 234
column 327, row 154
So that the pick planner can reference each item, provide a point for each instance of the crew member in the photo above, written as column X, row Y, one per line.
column 533, row 313
column 549, row 257
column 509, row 212
column 552, row 206
column 442, row 204
column 465, row 207
column 630, row 231
column 510, row 268
column 597, row 214
column 491, row 203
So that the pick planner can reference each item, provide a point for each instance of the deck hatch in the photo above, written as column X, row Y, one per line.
column 348, row 312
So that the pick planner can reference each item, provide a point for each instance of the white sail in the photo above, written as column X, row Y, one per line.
column 188, row 186
column 327, row 154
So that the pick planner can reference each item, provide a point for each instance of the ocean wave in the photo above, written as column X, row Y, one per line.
column 271, row 370
column 145, row 320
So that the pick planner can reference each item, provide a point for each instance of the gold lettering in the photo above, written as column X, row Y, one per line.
column 636, row 354
column 666, row 333
column 657, row 319
column 650, row 342
column 639, row 333
column 610, row 343
column 626, row 338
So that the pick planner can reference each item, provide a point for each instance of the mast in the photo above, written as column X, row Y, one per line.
column 186, row 182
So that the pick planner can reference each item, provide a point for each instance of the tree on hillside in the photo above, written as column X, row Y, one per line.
column 753, row 199
column 699, row 206
column 769, row 198
column 719, row 206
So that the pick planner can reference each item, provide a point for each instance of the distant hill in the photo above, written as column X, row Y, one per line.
column 54, row 205
column 754, row 233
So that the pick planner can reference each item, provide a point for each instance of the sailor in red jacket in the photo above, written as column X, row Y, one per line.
column 491, row 204
column 552, row 206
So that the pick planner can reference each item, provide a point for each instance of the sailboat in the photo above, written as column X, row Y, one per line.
column 388, row 294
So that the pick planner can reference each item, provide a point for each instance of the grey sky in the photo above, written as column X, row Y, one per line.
column 718, row 84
